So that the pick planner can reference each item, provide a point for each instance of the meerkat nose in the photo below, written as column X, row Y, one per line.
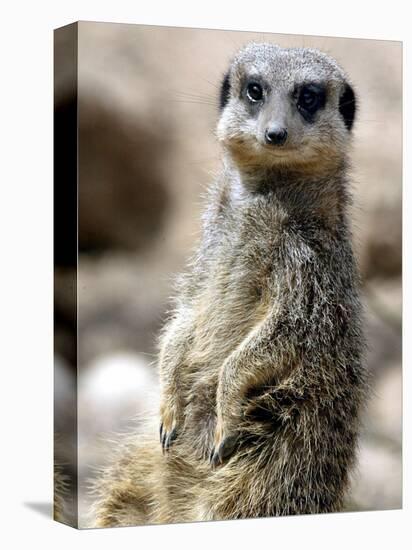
column 276, row 136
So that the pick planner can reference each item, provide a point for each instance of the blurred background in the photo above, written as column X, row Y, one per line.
column 147, row 114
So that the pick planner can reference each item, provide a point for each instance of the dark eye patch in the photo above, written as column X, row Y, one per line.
column 224, row 92
column 253, row 91
column 309, row 99
column 347, row 106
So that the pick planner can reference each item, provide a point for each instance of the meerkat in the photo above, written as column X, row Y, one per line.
column 261, row 362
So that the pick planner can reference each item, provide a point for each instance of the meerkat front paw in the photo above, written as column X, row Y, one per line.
column 225, row 443
column 170, row 424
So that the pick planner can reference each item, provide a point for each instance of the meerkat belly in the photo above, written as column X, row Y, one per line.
column 235, row 297
column 233, row 303
column 221, row 325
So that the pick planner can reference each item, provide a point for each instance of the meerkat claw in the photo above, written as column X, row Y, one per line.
column 170, row 438
column 220, row 454
column 167, row 438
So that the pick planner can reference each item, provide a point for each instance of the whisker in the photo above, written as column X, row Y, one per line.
column 194, row 102
column 197, row 98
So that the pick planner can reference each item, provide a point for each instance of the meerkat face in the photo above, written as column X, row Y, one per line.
column 285, row 106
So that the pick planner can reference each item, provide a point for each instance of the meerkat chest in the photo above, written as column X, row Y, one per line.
column 238, row 290
column 249, row 253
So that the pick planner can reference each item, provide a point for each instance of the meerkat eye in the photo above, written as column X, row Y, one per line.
column 254, row 91
column 310, row 99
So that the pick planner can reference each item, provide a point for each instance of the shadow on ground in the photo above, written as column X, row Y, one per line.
column 45, row 509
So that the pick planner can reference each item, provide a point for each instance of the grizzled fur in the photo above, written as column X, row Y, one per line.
column 261, row 365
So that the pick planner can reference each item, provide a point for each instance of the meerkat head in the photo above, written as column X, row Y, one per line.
column 285, row 107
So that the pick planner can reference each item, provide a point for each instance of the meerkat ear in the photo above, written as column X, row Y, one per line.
column 224, row 91
column 347, row 106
